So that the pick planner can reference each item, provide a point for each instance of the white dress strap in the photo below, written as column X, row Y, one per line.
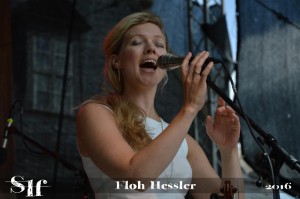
column 108, row 108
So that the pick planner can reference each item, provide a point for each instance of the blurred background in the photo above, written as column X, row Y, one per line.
column 51, row 60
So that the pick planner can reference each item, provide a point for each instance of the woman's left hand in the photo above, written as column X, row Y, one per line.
column 224, row 131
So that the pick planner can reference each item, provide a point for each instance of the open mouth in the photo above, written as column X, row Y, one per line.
column 149, row 64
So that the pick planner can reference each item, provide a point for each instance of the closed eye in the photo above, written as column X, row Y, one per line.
column 135, row 43
column 160, row 45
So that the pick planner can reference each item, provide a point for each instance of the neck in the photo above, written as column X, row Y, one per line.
column 144, row 100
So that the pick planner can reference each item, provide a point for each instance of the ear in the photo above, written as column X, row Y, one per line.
column 115, row 62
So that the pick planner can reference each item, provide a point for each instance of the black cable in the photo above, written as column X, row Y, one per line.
column 21, row 130
column 250, row 128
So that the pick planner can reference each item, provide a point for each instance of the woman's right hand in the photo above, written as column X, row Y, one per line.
column 194, row 82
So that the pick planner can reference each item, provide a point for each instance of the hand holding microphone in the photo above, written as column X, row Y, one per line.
column 194, row 80
column 171, row 61
column 194, row 75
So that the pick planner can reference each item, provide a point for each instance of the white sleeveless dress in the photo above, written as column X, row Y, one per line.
column 178, row 171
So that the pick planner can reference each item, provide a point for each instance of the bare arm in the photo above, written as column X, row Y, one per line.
column 204, row 176
column 100, row 139
column 224, row 132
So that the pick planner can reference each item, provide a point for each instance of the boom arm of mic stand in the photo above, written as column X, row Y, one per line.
column 291, row 161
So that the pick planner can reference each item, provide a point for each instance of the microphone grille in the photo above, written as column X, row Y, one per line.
column 168, row 60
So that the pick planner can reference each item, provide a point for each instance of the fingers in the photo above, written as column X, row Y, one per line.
column 193, row 67
column 198, row 62
column 221, row 102
column 206, row 72
column 194, row 82
column 224, row 110
column 193, row 70
column 189, row 69
column 185, row 64
column 235, row 118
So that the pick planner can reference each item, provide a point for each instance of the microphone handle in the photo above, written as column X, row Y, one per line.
column 206, row 62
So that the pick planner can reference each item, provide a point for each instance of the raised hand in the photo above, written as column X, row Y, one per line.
column 195, row 83
column 224, row 131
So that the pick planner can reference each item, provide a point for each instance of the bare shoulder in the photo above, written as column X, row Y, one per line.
column 92, row 112
column 97, row 133
column 93, row 122
column 93, row 108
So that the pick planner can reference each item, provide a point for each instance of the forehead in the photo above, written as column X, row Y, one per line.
column 146, row 29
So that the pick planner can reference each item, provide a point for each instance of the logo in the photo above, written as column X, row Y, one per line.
column 20, row 185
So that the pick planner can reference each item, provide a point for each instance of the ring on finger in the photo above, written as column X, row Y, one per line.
column 198, row 73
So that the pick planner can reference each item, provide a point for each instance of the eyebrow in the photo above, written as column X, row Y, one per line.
column 141, row 35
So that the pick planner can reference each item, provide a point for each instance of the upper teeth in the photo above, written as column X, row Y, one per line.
column 150, row 60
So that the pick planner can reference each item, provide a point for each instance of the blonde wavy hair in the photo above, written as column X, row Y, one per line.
column 129, row 117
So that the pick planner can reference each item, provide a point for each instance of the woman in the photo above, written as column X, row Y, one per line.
column 127, row 150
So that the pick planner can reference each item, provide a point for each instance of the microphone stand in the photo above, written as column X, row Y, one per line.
column 67, row 165
column 279, row 155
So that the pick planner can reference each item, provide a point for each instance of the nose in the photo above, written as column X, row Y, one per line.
column 150, row 48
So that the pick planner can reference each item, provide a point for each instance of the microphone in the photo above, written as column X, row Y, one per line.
column 171, row 61
column 3, row 151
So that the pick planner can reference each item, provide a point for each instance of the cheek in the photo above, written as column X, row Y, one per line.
column 162, row 51
column 129, row 53
column 127, row 59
